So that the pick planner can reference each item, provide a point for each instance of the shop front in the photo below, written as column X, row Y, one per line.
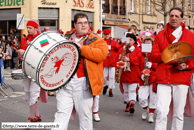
column 56, row 14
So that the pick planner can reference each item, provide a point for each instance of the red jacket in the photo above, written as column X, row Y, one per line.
column 140, row 42
column 23, row 43
column 141, row 68
column 169, row 74
column 131, row 76
column 110, row 61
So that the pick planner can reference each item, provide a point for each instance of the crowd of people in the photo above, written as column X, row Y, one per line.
column 9, row 47
column 142, row 76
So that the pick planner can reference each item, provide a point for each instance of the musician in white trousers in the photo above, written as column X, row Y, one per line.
column 32, row 90
column 88, row 79
column 173, row 81
column 110, row 63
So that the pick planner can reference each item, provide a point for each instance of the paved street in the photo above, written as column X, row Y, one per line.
column 15, row 109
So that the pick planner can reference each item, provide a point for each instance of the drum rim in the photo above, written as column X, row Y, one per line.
column 77, row 66
column 29, row 46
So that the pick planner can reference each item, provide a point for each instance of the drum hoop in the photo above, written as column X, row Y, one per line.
column 79, row 56
column 28, row 47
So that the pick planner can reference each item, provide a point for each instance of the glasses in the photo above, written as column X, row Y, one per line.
column 81, row 24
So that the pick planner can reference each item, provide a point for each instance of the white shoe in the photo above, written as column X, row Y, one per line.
column 151, row 118
column 96, row 117
column 144, row 115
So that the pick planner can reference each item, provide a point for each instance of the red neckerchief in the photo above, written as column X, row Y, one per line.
column 30, row 37
column 107, row 40
column 170, row 31
column 78, row 35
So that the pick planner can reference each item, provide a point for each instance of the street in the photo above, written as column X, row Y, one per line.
column 15, row 109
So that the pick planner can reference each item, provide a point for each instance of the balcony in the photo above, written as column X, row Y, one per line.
column 106, row 8
column 122, row 10
column 114, row 9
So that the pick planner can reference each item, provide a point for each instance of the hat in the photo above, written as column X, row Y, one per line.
column 99, row 31
column 46, row 29
column 32, row 23
column 161, row 22
column 147, row 34
column 107, row 31
column 60, row 31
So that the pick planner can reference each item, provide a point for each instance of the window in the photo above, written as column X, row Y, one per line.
column 131, row 5
column 114, row 2
column 122, row 2
column 148, row 6
column 193, row 5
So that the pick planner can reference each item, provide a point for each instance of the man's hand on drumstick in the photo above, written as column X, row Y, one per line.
column 80, row 46
column 183, row 66
column 20, row 52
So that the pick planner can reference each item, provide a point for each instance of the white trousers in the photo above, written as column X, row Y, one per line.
column 129, row 91
column 165, row 94
column 83, row 101
column 32, row 91
column 109, row 71
column 144, row 92
column 96, row 104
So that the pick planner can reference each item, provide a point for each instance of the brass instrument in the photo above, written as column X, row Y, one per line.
column 146, row 81
column 127, row 68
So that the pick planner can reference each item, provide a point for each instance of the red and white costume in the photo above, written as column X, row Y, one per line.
column 129, row 79
column 110, row 63
column 145, row 91
column 171, row 82
column 32, row 90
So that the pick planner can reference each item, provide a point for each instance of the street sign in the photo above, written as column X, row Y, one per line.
column 20, row 21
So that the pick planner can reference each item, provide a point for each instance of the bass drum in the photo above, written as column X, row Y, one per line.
column 50, row 60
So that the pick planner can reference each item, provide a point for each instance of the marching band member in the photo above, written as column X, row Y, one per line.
column 148, row 89
column 110, row 63
column 87, row 81
column 172, row 81
column 133, row 29
column 32, row 90
column 129, row 79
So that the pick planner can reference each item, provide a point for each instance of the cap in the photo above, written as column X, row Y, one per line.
column 107, row 31
column 32, row 23
column 46, row 29
column 60, row 31
column 161, row 22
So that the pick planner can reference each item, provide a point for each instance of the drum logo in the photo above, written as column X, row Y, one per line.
column 65, row 60
column 58, row 66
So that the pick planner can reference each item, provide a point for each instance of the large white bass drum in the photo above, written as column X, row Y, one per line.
column 50, row 60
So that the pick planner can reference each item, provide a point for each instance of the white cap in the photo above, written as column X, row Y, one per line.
column 161, row 22
column 147, row 34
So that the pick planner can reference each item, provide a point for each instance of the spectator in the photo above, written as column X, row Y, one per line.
column 23, row 36
column 16, row 46
column 8, row 55
column 119, row 41
column 3, row 42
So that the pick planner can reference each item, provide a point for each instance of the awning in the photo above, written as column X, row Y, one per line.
column 125, row 27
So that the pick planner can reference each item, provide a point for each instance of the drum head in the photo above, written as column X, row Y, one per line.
column 59, row 66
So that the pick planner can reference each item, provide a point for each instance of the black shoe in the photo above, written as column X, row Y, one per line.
column 132, row 110
column 105, row 90
column 110, row 94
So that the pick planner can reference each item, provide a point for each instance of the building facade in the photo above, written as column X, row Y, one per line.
column 56, row 14
column 144, row 14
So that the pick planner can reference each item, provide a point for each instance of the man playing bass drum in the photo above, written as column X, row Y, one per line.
column 88, row 80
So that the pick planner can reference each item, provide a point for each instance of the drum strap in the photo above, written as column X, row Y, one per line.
column 82, row 40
